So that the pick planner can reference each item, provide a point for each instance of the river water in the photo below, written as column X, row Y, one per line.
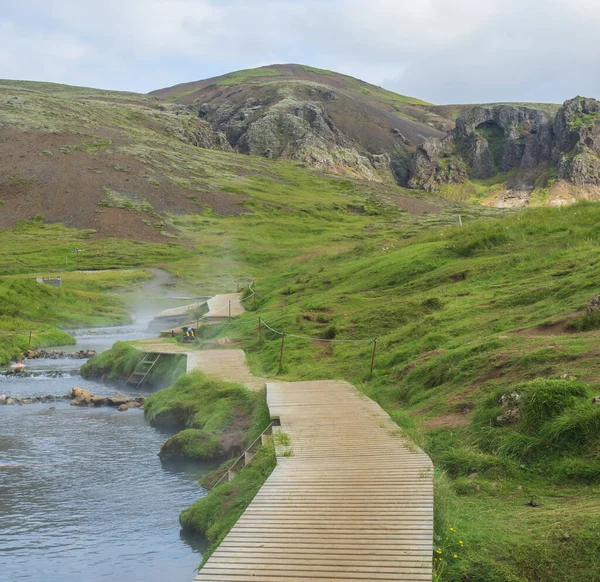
column 83, row 494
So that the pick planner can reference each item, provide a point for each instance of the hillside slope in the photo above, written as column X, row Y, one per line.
column 328, row 120
column 125, row 165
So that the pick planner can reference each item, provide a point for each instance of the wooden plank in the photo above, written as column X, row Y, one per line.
column 354, row 501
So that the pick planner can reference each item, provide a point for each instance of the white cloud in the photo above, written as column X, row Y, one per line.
column 442, row 50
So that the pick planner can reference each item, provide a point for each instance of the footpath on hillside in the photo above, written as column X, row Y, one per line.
column 351, row 498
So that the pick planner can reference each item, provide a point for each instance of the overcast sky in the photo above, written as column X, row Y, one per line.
column 444, row 51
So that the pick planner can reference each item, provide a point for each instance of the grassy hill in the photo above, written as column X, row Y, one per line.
column 487, row 357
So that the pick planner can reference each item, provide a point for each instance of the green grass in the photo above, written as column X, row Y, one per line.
column 192, row 444
column 121, row 360
column 34, row 247
column 581, row 120
column 27, row 306
column 214, row 515
column 197, row 401
column 446, row 307
column 115, row 199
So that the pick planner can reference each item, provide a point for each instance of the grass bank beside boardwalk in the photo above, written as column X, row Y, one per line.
column 215, row 420
column 214, row 515
column 486, row 356
column 118, row 363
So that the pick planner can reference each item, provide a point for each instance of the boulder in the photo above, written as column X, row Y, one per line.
column 80, row 396
column 593, row 304
column 596, row 400
column 128, row 405
column 5, row 399
column 117, row 399
column 511, row 413
column 98, row 401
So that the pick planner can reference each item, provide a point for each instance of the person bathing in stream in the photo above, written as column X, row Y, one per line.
column 18, row 366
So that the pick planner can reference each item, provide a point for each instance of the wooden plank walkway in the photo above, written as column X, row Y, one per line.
column 219, row 306
column 228, row 365
column 353, row 501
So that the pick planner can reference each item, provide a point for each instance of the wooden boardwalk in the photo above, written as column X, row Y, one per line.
column 224, row 306
column 350, row 498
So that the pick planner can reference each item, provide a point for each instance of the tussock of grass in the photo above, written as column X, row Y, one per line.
column 192, row 444
column 198, row 401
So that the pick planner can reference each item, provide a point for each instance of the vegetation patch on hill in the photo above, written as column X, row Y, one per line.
column 27, row 306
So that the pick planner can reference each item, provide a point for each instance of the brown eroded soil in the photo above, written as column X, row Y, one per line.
column 68, row 186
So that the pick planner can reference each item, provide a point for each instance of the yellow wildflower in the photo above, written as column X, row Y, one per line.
column 455, row 556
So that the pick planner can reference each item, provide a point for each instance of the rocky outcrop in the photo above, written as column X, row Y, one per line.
column 58, row 354
column 511, row 411
column 180, row 122
column 434, row 164
column 577, row 141
column 593, row 304
column 283, row 124
column 82, row 397
column 493, row 139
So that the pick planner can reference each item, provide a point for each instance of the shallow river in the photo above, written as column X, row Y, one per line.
column 83, row 494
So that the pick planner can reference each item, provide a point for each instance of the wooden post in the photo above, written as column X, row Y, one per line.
column 459, row 220
column 281, row 352
column 373, row 356
column 259, row 327
column 30, row 339
column 230, row 309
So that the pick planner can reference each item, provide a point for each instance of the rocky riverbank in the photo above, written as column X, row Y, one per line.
column 58, row 354
column 81, row 397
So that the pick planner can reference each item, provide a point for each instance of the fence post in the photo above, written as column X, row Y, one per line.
column 373, row 356
column 230, row 309
column 459, row 220
column 281, row 352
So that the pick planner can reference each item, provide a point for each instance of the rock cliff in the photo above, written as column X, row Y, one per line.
column 326, row 120
column 493, row 139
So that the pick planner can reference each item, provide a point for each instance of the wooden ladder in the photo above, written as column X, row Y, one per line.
column 142, row 370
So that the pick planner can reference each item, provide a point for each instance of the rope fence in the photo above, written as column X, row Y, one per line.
column 262, row 323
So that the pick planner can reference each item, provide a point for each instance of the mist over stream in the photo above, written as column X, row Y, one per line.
column 83, row 494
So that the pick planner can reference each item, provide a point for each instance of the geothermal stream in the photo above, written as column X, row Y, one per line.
column 83, row 494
